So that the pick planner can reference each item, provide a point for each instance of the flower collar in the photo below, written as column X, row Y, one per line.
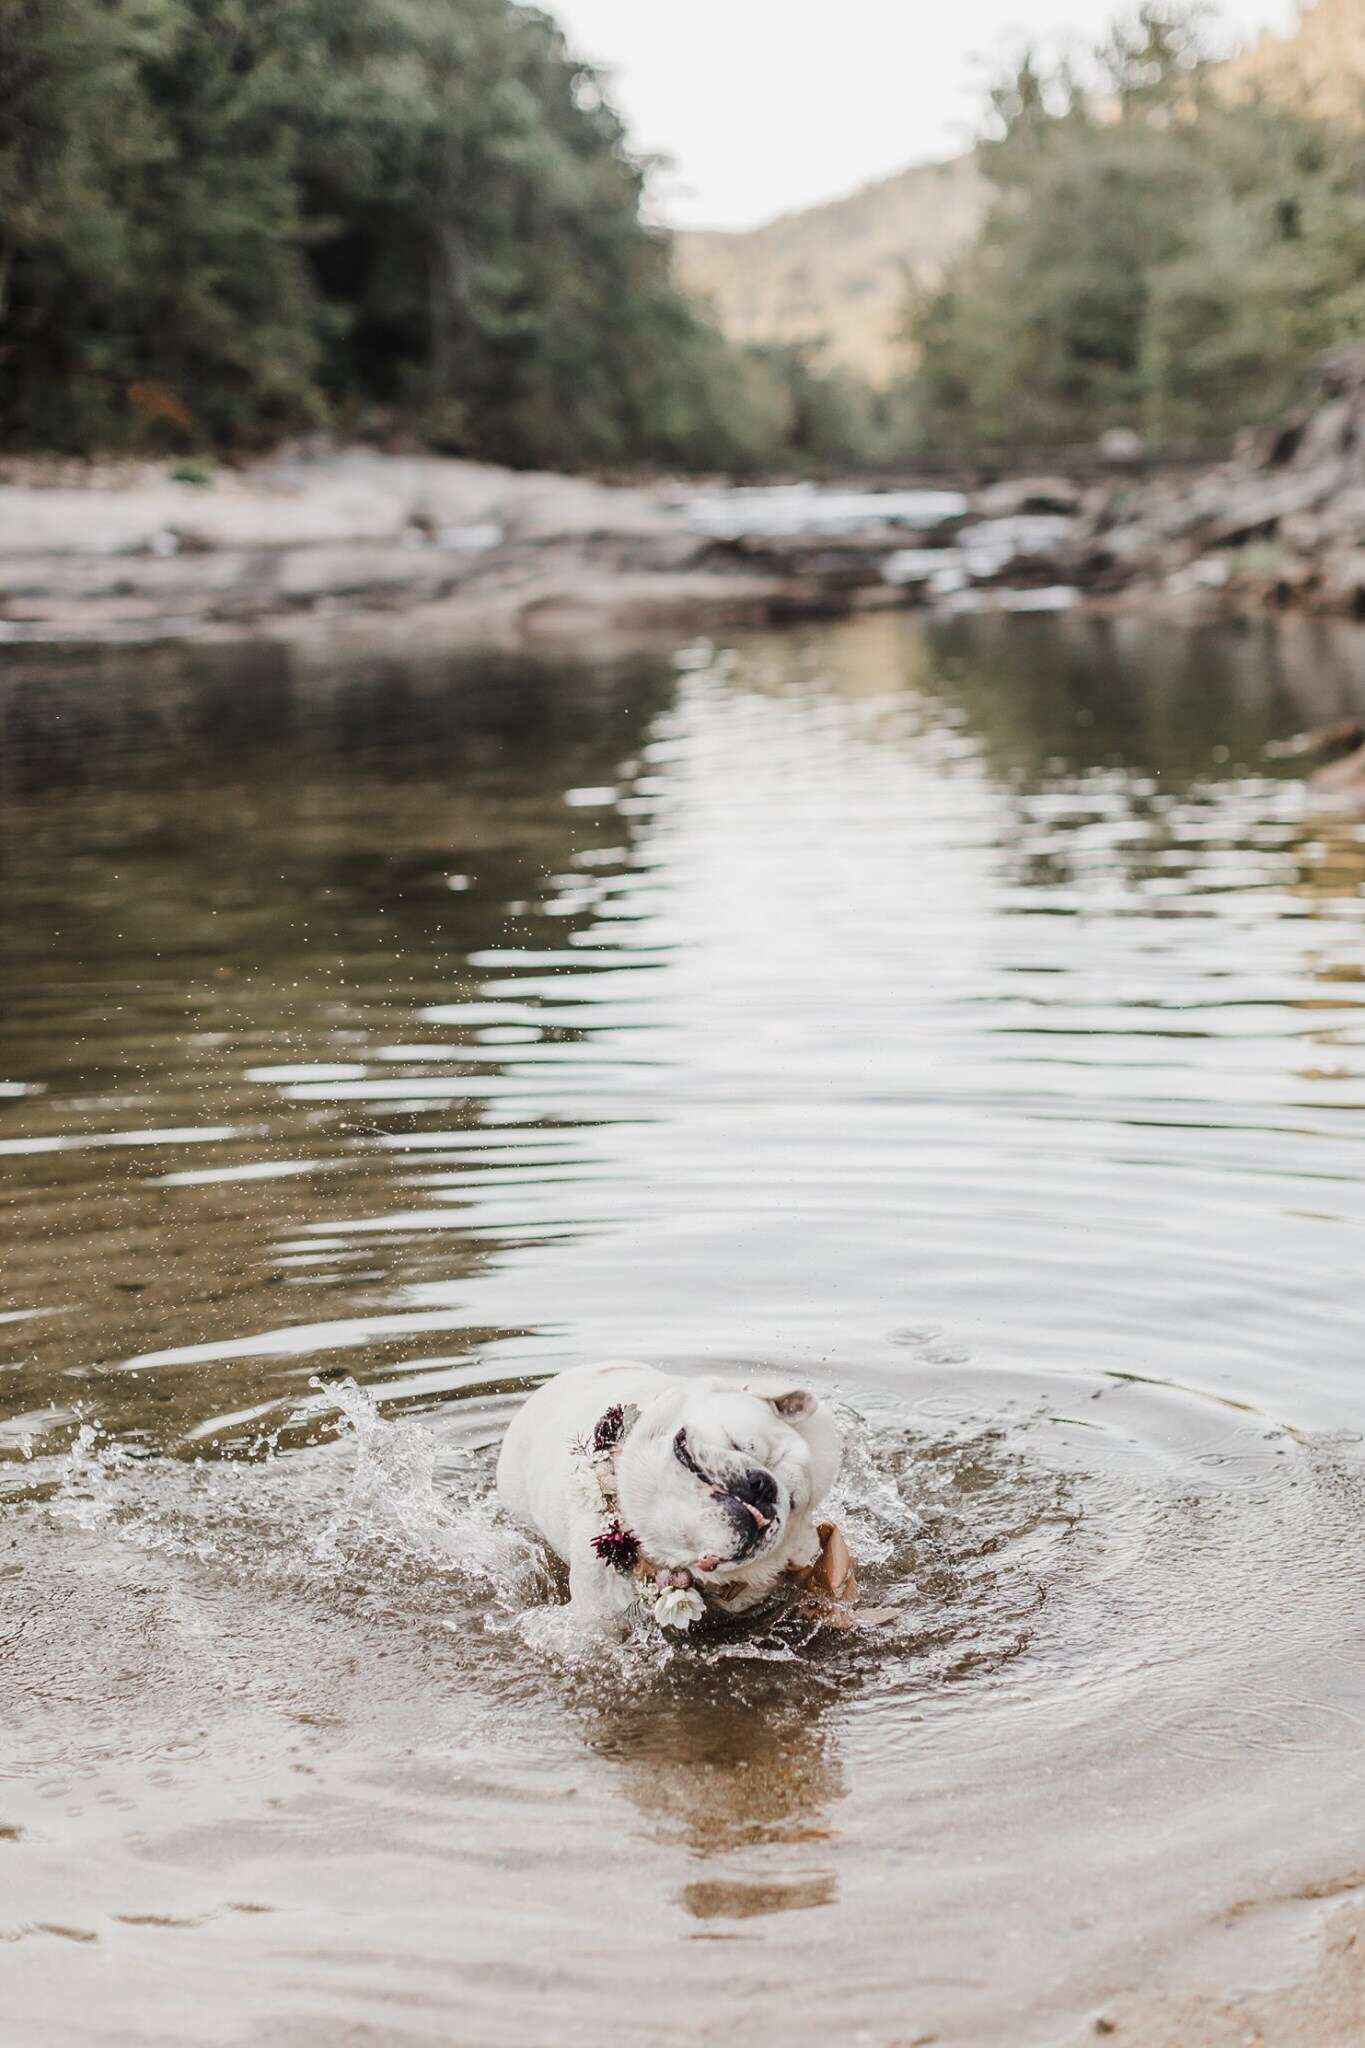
column 670, row 1597
column 827, row 1588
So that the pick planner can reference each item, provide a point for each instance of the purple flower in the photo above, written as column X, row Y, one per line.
column 617, row 1547
column 609, row 1430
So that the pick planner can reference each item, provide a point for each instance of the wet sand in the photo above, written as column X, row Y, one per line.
column 1323, row 2008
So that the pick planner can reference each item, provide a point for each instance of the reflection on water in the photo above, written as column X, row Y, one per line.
column 959, row 1013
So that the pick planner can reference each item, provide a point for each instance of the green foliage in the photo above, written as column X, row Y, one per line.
column 1160, row 254
column 825, row 419
column 74, row 127
column 222, row 220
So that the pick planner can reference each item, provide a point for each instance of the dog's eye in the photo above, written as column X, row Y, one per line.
column 684, row 1456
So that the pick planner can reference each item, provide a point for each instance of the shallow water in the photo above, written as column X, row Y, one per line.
column 958, row 1014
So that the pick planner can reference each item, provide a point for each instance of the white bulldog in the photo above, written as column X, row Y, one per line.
column 669, row 1494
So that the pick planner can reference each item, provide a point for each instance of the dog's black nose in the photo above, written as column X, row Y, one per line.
column 756, row 1489
column 753, row 1503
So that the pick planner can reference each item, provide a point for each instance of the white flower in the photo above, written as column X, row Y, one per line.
column 585, row 1486
column 678, row 1607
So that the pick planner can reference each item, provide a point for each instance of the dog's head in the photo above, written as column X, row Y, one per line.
column 713, row 1471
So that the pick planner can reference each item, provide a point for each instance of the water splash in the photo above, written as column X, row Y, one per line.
column 381, row 1518
column 393, row 1498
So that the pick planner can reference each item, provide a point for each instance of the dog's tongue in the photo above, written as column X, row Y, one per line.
column 707, row 1564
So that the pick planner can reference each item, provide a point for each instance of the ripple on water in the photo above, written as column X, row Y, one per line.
column 939, row 1011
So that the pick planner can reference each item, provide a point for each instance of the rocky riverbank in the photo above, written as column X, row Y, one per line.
column 133, row 552
column 136, row 554
column 1281, row 525
column 147, row 552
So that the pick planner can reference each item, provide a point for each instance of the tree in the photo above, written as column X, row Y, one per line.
column 221, row 221
column 1158, row 254
column 73, row 124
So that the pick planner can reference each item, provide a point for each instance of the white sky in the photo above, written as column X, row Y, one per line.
column 770, row 104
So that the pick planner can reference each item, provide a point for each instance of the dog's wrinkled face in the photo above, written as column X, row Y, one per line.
column 712, row 1474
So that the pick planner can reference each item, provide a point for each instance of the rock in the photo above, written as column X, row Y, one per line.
column 918, row 568
column 1281, row 524
column 1025, row 548
column 1027, row 494
column 1342, row 370
column 1344, row 736
column 847, row 562
column 1120, row 444
column 1344, row 779
column 1341, row 581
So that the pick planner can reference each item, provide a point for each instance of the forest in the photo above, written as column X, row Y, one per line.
column 420, row 222
column 1165, row 251
column 222, row 223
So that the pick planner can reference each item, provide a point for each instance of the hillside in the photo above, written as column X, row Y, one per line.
column 835, row 275
column 1322, row 64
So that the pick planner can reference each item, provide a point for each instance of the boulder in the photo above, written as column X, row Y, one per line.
column 1120, row 445
column 1016, row 495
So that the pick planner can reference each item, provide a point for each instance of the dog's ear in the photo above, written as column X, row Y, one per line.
column 790, row 1402
column 812, row 1422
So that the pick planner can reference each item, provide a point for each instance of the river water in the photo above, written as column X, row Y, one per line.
column 958, row 1014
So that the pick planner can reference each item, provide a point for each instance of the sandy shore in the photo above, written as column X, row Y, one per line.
column 1324, row 2008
